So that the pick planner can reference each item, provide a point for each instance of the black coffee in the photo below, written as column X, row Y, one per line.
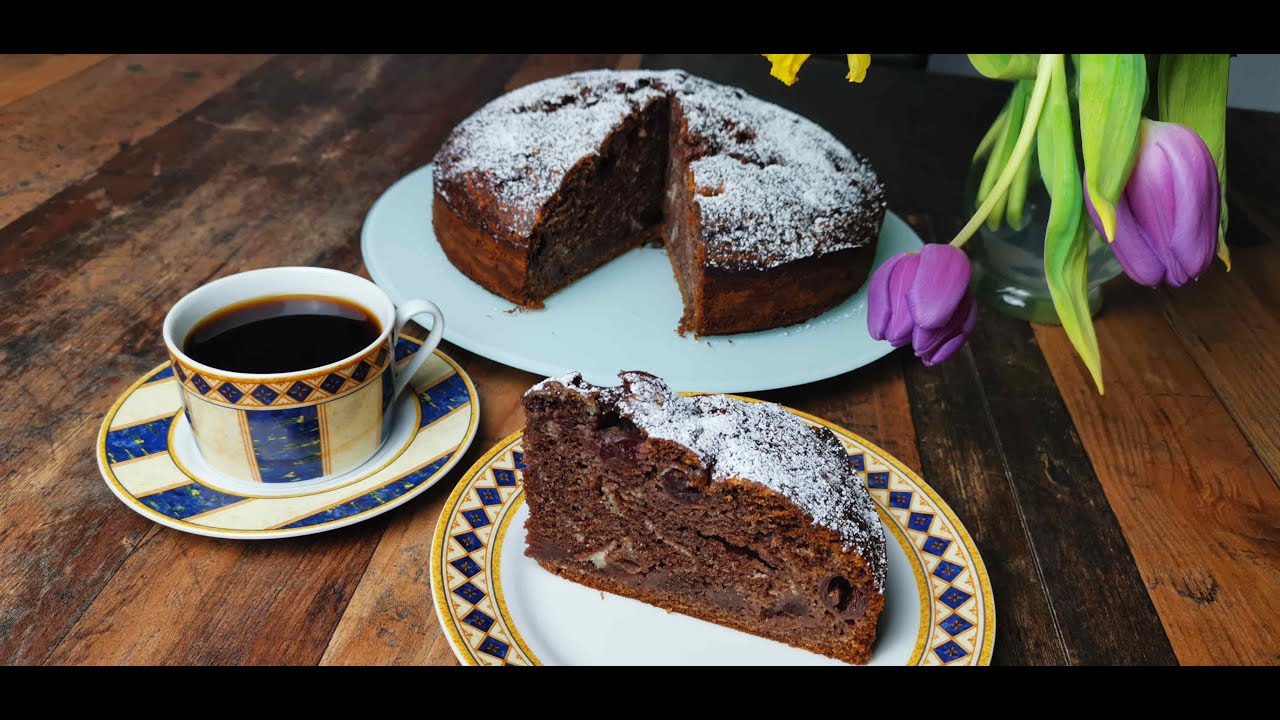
column 285, row 333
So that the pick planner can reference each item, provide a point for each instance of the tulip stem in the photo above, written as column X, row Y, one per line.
column 1020, row 148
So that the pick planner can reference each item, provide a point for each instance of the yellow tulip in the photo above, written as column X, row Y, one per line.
column 858, row 65
column 785, row 67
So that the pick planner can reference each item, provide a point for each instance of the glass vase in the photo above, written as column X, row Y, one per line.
column 1008, row 263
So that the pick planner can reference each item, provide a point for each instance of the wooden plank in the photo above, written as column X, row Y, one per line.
column 1230, row 322
column 1230, row 325
column 97, row 267
column 187, row 600
column 1080, row 553
column 391, row 619
column 23, row 75
column 63, row 133
column 960, row 459
column 1197, row 506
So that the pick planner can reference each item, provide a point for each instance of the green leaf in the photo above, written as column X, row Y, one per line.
column 993, row 134
column 1006, row 67
column 1192, row 91
column 1021, row 146
column 1113, row 89
column 996, row 160
column 1066, row 244
column 1002, row 150
column 1018, row 194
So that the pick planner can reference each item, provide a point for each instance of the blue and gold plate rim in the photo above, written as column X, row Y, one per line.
column 139, row 469
column 957, row 609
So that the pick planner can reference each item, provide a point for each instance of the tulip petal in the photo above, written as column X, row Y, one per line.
column 1173, row 200
column 901, row 279
column 1151, row 191
column 940, row 286
column 943, row 353
column 935, row 345
column 970, row 317
column 1193, row 92
column 950, row 347
column 1133, row 249
column 879, row 304
column 1194, row 231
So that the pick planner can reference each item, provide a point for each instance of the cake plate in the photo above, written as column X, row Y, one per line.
column 622, row 316
column 498, row 607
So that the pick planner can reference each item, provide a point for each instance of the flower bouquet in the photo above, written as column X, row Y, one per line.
column 1141, row 161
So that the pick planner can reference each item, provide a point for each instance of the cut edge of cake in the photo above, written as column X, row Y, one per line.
column 776, row 230
column 730, row 511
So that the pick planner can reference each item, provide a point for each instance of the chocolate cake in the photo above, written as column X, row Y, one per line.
column 734, row 512
column 768, row 220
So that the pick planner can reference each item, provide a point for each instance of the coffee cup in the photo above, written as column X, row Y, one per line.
column 303, row 425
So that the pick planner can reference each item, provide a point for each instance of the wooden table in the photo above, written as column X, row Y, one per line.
column 1139, row 527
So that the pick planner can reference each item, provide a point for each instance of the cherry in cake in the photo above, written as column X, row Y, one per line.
column 734, row 512
column 768, row 220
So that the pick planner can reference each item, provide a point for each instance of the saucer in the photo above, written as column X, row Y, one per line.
column 148, row 457
column 499, row 607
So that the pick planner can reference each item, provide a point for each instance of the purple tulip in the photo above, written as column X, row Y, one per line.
column 1167, row 217
column 923, row 298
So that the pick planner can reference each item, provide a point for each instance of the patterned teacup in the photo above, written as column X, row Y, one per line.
column 309, row 425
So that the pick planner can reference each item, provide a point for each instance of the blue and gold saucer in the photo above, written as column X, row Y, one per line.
column 149, row 459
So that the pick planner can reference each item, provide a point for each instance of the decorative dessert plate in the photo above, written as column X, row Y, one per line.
column 499, row 607
column 149, row 459
column 622, row 316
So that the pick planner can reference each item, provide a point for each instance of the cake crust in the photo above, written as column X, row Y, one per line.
column 732, row 512
column 768, row 219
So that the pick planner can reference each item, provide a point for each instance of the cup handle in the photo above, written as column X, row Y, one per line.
column 404, row 314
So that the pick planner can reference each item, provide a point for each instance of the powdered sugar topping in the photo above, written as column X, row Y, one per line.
column 521, row 145
column 571, row 380
column 759, row 442
column 773, row 186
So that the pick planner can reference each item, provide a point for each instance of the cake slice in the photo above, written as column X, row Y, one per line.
column 734, row 512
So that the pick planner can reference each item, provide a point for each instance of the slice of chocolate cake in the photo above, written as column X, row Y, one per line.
column 734, row 512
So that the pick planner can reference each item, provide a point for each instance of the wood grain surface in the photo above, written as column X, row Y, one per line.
column 1140, row 527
